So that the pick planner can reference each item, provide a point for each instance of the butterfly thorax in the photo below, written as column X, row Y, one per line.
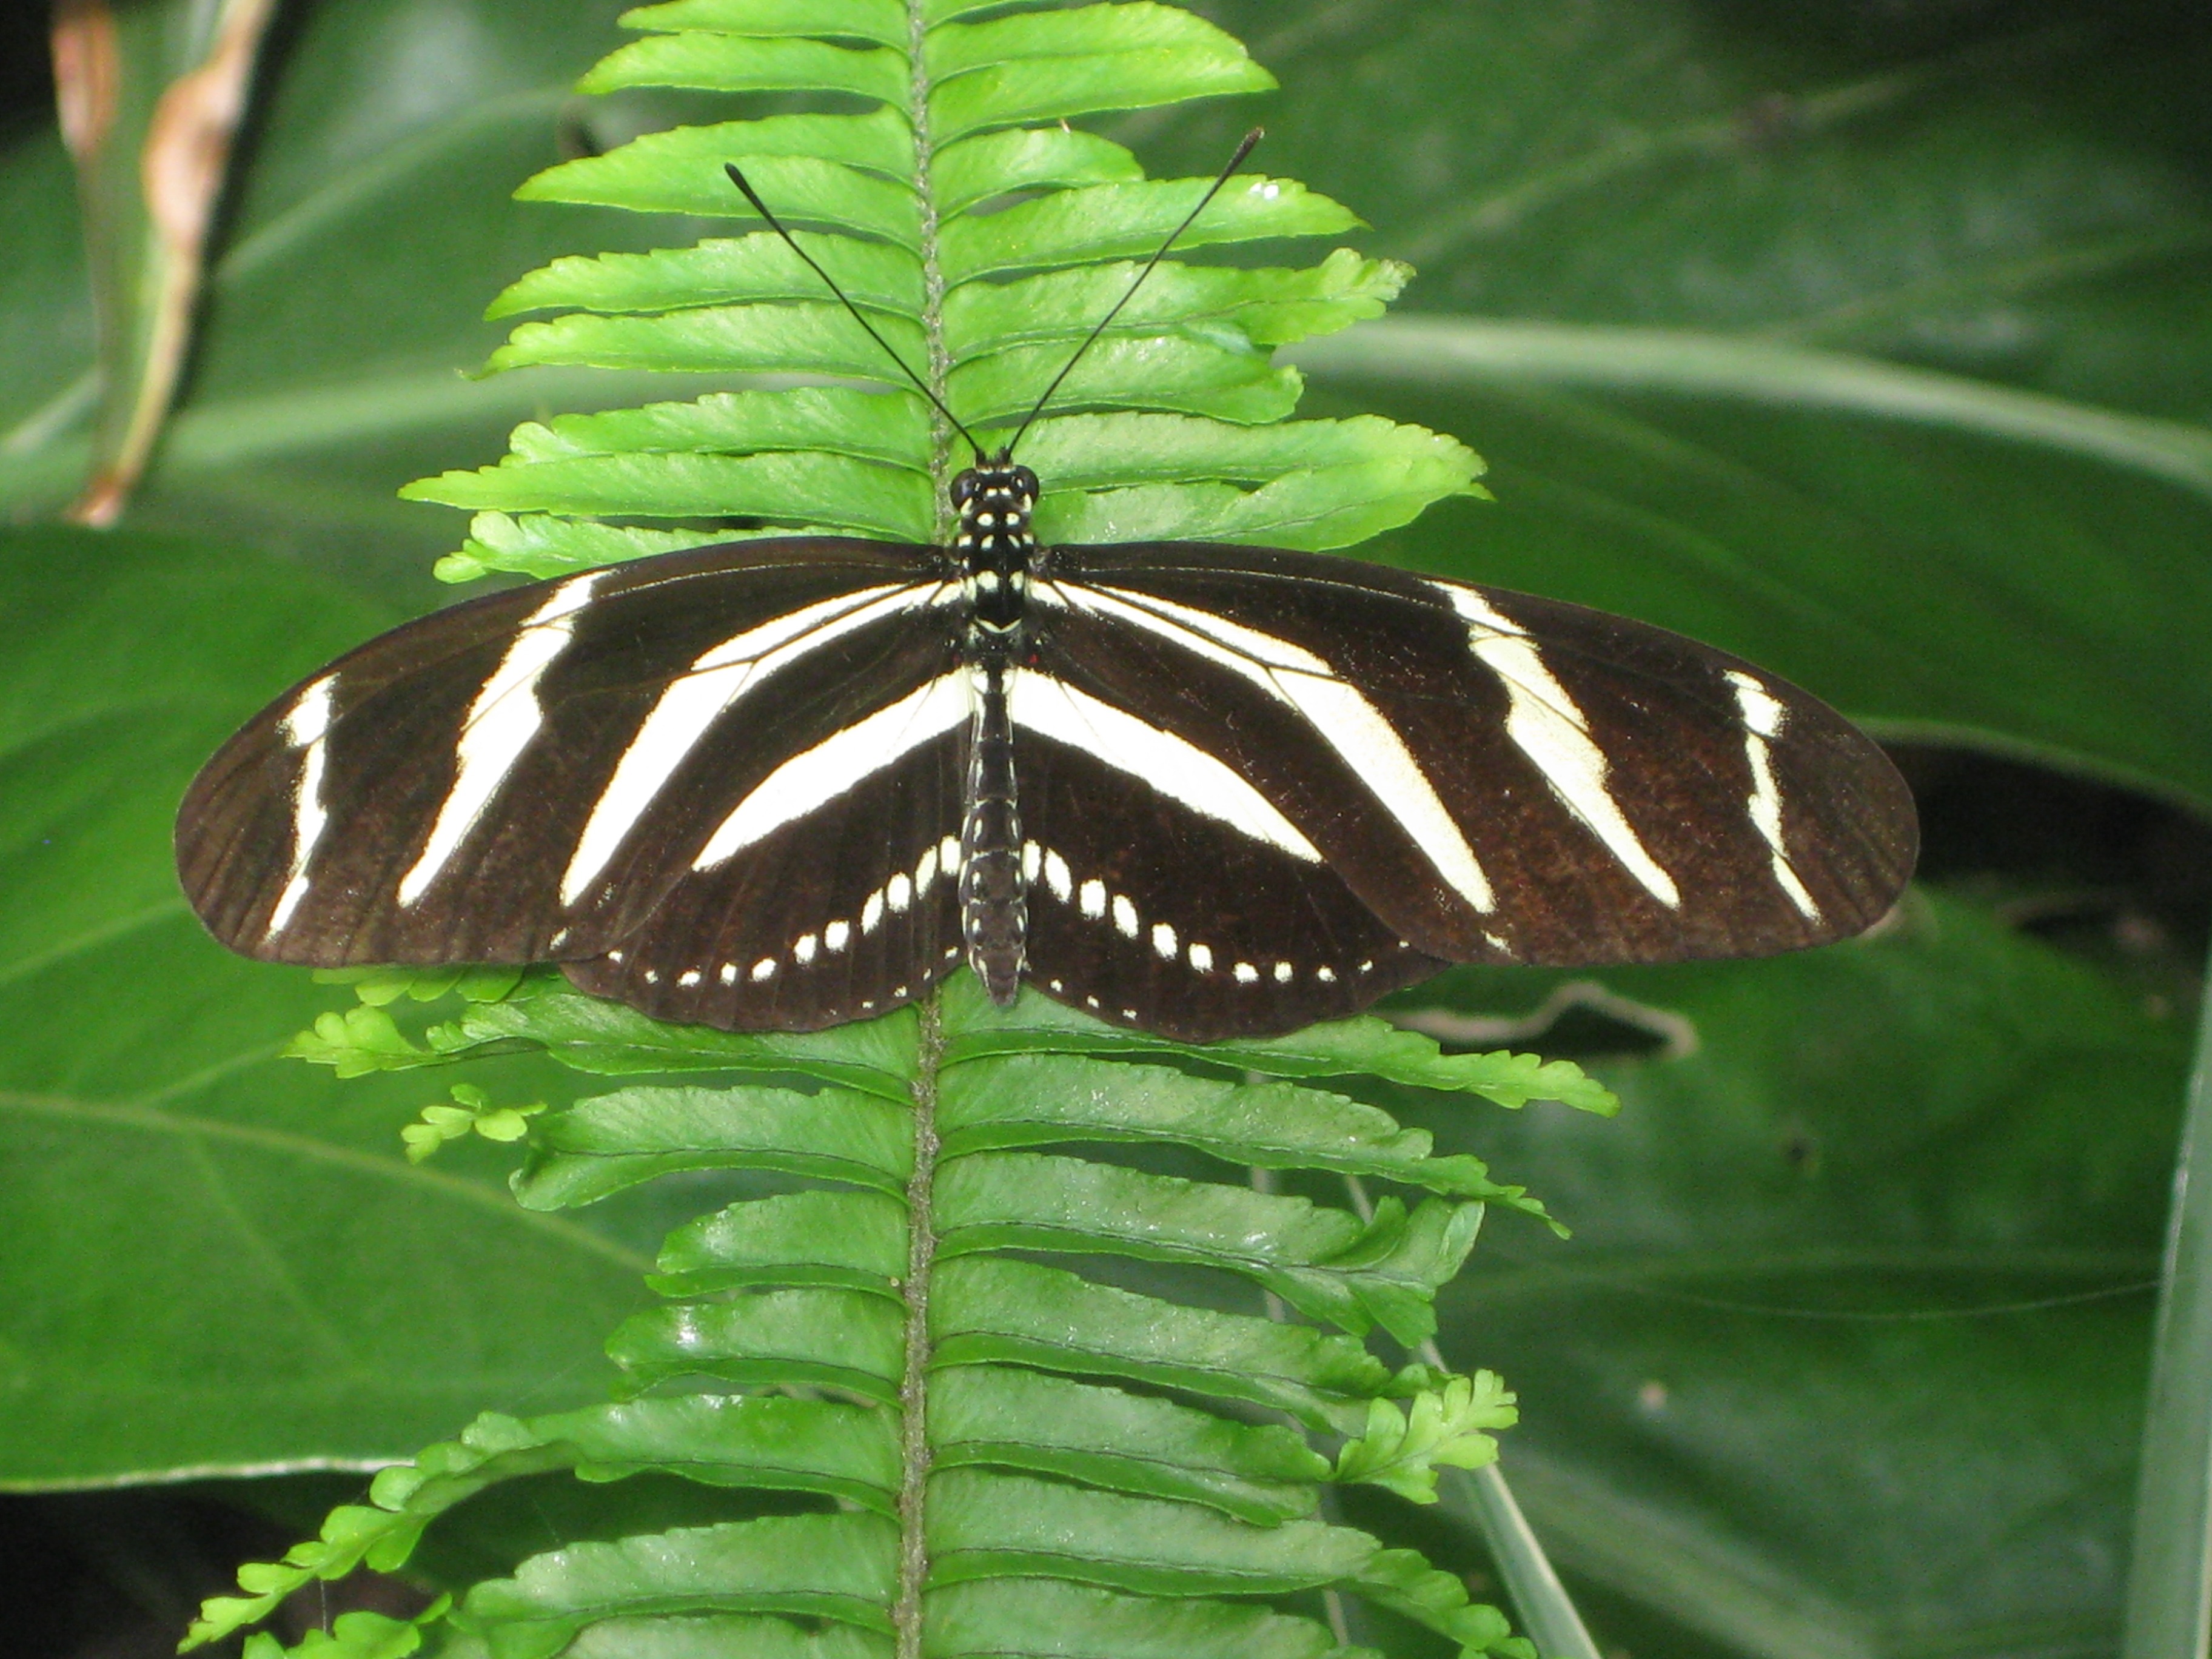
column 994, row 543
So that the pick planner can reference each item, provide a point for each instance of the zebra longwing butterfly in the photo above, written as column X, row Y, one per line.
column 1206, row 790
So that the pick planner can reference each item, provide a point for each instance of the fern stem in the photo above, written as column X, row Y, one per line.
column 921, row 1232
column 913, row 1385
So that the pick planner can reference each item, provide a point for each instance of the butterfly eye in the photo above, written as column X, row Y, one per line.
column 964, row 488
column 1025, row 483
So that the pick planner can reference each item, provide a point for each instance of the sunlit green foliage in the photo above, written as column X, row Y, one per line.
column 783, row 1358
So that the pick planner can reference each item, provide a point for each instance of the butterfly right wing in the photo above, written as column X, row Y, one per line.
column 1498, row 777
column 524, row 777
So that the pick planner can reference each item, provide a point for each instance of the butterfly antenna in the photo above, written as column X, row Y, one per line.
column 1213, row 190
column 859, row 317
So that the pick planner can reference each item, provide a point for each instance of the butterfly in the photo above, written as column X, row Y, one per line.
column 1205, row 790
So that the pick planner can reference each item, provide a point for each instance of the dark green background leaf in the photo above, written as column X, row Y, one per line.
column 1846, row 1353
column 218, row 1260
column 2016, row 194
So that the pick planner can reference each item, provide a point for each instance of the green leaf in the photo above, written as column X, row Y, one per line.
column 884, row 22
column 841, row 1567
column 989, row 1310
column 989, row 1526
column 1053, row 89
column 539, row 545
column 295, row 1292
column 1266, row 307
column 856, row 1241
column 2168, row 1582
column 471, row 1114
column 1322, row 1261
column 716, row 1635
column 1089, row 452
column 1403, row 1445
column 1117, row 221
column 681, row 170
column 1186, row 376
column 300, row 419
column 1026, row 1100
column 589, row 1034
column 717, row 63
column 853, row 496
column 1041, row 1616
column 995, row 164
column 1018, row 1420
column 798, row 1445
column 1315, row 511
column 353, row 1636
column 611, row 1142
column 975, row 1027
column 835, row 1339
column 1926, row 1170
column 842, row 420
column 720, row 271
column 349, row 1533
column 1402, row 1581
column 45, row 305
column 812, row 336
column 1024, row 38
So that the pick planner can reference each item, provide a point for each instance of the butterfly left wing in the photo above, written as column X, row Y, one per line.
column 1498, row 777
column 526, row 776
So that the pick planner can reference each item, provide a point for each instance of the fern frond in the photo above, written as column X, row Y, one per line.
column 1037, row 1462
column 984, row 248
column 1007, row 1455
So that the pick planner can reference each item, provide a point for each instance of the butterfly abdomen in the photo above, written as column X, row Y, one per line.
column 994, row 887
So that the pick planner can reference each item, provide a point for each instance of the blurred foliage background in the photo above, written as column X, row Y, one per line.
column 1871, row 339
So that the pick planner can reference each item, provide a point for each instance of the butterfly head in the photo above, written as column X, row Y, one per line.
column 994, row 499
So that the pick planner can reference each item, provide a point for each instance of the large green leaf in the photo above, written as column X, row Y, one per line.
column 2003, row 218
column 45, row 313
column 1846, row 1353
column 217, row 1259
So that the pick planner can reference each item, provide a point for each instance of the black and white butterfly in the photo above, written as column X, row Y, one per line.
column 1203, row 789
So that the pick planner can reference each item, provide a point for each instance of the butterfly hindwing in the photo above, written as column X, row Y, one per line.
column 1149, row 913
column 843, row 910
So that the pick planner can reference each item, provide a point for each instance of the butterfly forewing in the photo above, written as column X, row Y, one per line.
column 1498, row 777
column 523, row 777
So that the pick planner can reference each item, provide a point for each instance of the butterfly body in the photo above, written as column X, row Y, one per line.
column 996, row 548
column 1208, row 790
